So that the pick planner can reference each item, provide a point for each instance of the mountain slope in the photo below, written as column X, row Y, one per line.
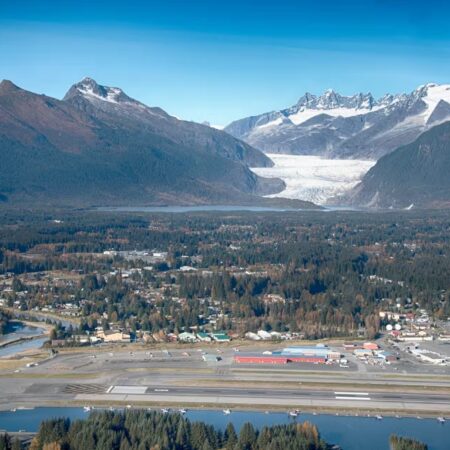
column 415, row 174
column 100, row 147
column 337, row 126
column 113, row 107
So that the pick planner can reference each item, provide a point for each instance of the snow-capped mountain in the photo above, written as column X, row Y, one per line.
column 111, row 100
column 338, row 126
column 113, row 106
column 90, row 88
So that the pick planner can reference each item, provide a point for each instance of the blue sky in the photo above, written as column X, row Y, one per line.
column 222, row 60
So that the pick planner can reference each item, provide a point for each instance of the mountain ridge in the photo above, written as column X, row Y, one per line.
column 414, row 175
column 337, row 126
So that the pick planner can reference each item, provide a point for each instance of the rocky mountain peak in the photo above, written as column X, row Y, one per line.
column 330, row 99
column 91, row 90
column 7, row 86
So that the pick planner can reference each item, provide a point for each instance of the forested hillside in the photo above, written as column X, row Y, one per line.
column 415, row 175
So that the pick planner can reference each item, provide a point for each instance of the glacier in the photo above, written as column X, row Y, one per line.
column 313, row 178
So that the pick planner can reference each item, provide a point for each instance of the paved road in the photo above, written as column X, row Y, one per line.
column 190, row 392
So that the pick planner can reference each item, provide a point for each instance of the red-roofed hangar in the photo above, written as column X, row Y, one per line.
column 276, row 359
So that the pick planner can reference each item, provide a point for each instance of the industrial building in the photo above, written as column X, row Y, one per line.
column 258, row 358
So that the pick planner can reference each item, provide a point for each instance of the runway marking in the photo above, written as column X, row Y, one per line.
column 161, row 390
column 352, row 396
column 128, row 390
column 84, row 388
column 110, row 389
column 358, row 394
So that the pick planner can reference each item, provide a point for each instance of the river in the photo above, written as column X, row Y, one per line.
column 349, row 432
column 20, row 331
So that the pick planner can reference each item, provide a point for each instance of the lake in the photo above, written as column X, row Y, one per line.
column 219, row 208
column 186, row 209
column 349, row 432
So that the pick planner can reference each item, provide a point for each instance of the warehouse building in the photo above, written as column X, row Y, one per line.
column 258, row 358
column 314, row 354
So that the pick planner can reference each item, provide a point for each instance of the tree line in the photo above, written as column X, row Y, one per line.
column 144, row 430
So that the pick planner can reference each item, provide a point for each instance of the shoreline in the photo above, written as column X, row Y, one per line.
column 349, row 411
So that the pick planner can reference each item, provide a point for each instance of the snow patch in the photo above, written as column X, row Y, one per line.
column 306, row 114
column 111, row 96
column 273, row 123
column 312, row 178
column 435, row 93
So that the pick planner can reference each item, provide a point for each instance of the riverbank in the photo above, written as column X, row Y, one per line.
column 41, row 317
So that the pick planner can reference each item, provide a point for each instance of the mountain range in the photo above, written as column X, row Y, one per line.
column 98, row 146
column 336, row 126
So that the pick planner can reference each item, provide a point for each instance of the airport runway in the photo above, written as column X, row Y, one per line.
column 288, row 398
column 162, row 391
